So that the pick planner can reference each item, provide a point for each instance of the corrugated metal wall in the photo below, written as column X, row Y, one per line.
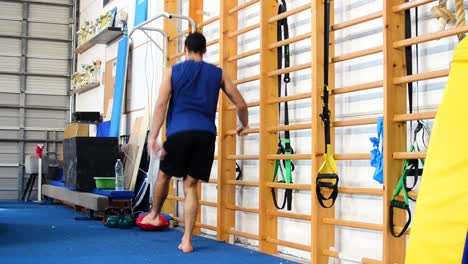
column 35, row 48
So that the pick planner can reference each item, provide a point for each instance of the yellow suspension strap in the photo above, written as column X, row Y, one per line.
column 327, row 178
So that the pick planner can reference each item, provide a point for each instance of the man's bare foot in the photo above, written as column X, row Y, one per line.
column 152, row 219
column 186, row 246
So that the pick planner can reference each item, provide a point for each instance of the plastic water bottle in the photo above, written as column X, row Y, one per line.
column 119, row 177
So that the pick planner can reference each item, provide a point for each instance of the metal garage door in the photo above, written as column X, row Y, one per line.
column 35, row 48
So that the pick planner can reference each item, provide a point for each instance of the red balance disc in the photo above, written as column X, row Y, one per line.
column 149, row 227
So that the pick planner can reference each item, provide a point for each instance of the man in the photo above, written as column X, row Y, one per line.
column 191, row 89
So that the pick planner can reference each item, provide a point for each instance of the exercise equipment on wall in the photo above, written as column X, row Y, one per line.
column 327, row 177
column 286, row 166
column 439, row 229
column 411, row 168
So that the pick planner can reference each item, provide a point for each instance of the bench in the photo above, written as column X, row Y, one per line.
column 97, row 201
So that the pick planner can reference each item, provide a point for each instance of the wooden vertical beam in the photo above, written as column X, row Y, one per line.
column 395, row 133
column 323, row 236
column 268, row 118
column 170, row 6
column 226, row 121
column 196, row 13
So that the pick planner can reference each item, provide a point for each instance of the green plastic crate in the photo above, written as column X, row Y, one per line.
column 105, row 182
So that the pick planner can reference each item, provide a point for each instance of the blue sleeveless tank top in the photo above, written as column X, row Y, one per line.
column 194, row 98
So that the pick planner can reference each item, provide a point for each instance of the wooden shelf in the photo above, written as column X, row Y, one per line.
column 106, row 36
column 85, row 88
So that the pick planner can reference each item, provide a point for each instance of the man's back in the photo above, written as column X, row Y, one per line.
column 194, row 98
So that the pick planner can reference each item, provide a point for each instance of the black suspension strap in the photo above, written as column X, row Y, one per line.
column 327, row 178
column 286, row 166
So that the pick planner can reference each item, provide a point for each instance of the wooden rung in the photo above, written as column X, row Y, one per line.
column 205, row 226
column 214, row 41
column 176, row 198
column 398, row 229
column 181, row 220
column 288, row 244
column 289, row 127
column 414, row 116
column 177, row 55
column 215, row 157
column 370, row 261
column 362, row 191
column 290, row 98
column 421, row 77
column 413, row 194
column 356, row 88
column 242, row 6
column 289, row 156
column 293, row 186
column 246, row 80
column 208, row 21
column 251, row 104
column 178, row 35
column 242, row 157
column 353, row 156
column 433, row 36
column 242, row 209
column 289, row 13
column 242, row 183
column 353, row 224
column 213, row 180
column 242, row 234
column 244, row 30
column 206, row 203
column 289, row 41
column 357, row 54
column 246, row 131
column 355, row 122
column 335, row 254
column 290, row 215
column 410, row 4
column 243, row 55
column 356, row 21
column 409, row 155
column 290, row 69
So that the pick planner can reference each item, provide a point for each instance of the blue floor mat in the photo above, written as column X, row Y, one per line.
column 32, row 233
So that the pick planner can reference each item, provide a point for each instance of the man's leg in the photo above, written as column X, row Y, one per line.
column 190, row 212
column 159, row 196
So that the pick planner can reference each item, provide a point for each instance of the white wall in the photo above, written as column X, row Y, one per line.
column 357, row 243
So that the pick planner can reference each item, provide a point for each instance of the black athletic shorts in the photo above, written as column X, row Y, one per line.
column 189, row 153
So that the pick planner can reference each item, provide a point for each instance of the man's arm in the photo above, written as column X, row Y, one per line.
column 160, row 108
column 234, row 95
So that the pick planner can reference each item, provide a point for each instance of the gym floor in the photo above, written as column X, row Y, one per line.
column 33, row 233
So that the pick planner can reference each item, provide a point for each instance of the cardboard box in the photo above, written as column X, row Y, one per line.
column 76, row 130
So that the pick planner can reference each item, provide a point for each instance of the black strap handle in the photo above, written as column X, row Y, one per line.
column 286, row 201
column 321, row 184
column 239, row 172
column 399, row 205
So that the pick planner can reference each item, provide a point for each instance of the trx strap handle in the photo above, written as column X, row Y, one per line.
column 400, row 205
column 322, row 184
column 327, row 177
column 284, row 167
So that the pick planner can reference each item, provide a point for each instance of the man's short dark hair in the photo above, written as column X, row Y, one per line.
column 196, row 42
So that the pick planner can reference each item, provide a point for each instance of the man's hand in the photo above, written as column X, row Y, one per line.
column 240, row 130
column 154, row 148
